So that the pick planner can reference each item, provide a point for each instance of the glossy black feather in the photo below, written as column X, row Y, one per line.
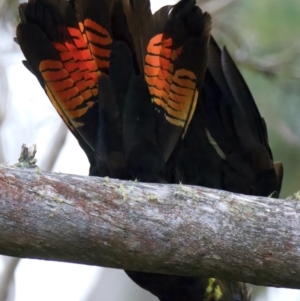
column 112, row 93
column 222, row 144
column 145, row 161
column 189, row 30
column 227, row 122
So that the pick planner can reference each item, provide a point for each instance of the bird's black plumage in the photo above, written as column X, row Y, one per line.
column 148, row 97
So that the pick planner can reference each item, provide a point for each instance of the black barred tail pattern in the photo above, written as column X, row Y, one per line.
column 72, row 83
column 171, row 89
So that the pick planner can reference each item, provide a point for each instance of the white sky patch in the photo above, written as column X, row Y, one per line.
column 48, row 281
column 156, row 5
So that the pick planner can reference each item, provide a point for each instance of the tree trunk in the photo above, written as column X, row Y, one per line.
column 173, row 229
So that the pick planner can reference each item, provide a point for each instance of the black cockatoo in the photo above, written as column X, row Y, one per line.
column 151, row 97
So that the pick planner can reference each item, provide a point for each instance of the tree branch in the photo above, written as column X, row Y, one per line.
column 7, row 278
column 173, row 229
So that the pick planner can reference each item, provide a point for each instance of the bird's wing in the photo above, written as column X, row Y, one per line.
column 170, row 48
column 237, row 129
column 67, row 47
column 175, row 66
column 112, row 94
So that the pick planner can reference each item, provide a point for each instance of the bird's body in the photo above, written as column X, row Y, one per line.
column 148, row 97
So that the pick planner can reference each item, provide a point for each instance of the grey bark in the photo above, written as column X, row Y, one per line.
column 7, row 279
column 173, row 229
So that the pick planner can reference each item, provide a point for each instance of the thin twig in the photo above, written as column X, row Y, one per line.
column 7, row 276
